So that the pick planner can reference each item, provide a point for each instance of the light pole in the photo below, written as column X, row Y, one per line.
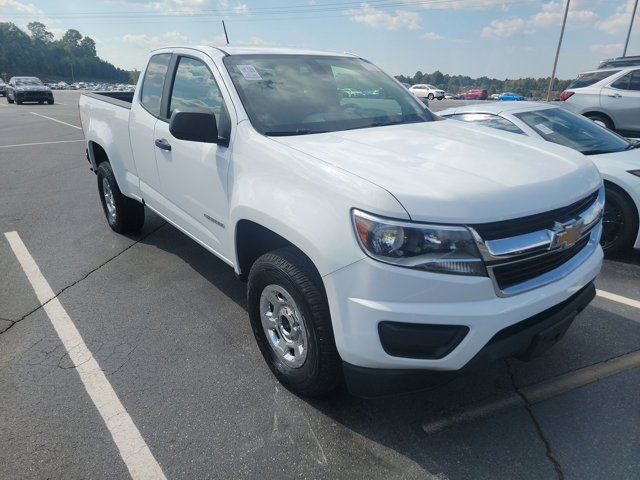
column 555, row 63
column 633, row 16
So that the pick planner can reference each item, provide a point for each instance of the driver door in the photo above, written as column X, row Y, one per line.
column 193, row 175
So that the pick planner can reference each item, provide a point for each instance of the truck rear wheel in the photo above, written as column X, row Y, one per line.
column 290, row 319
column 124, row 214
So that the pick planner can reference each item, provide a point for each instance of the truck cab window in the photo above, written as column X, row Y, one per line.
column 194, row 86
column 153, row 82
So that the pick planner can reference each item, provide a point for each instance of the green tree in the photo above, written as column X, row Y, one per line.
column 39, row 32
column 71, row 38
column 88, row 47
column 39, row 54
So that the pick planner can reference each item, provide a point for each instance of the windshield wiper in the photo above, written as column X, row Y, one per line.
column 286, row 133
column 596, row 152
column 633, row 145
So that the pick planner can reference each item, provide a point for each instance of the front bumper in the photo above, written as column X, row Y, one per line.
column 525, row 339
column 30, row 96
column 366, row 293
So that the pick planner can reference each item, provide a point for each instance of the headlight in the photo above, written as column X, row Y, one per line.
column 435, row 248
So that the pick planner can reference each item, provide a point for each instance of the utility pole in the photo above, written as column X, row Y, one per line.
column 555, row 63
column 633, row 16
column 224, row 27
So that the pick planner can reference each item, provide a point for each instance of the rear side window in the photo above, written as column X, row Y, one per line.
column 153, row 82
column 587, row 79
column 623, row 82
column 634, row 84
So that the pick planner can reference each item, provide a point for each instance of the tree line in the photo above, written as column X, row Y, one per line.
column 72, row 58
column 528, row 87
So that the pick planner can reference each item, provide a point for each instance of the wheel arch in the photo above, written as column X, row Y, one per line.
column 622, row 191
column 608, row 183
column 97, row 154
column 252, row 240
column 599, row 113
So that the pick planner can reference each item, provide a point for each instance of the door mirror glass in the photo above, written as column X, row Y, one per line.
column 194, row 125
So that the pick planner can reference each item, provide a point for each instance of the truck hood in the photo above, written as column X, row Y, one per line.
column 452, row 172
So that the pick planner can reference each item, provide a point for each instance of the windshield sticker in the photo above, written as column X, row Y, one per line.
column 249, row 72
column 544, row 129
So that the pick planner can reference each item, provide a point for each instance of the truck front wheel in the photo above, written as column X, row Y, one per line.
column 290, row 319
column 124, row 214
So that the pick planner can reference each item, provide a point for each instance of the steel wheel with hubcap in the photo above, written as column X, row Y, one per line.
column 291, row 322
column 284, row 325
column 124, row 214
column 109, row 201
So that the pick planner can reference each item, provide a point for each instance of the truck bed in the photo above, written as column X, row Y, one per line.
column 122, row 99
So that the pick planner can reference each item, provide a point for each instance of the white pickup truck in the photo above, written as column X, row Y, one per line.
column 381, row 244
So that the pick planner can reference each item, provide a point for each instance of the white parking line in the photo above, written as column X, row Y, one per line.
column 618, row 298
column 55, row 120
column 133, row 449
column 541, row 391
column 39, row 143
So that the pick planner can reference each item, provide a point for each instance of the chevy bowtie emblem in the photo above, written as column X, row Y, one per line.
column 566, row 235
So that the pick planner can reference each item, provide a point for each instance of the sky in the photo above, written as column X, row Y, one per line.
column 496, row 38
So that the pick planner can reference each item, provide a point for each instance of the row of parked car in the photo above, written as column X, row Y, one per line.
column 32, row 89
column 429, row 92
column 101, row 86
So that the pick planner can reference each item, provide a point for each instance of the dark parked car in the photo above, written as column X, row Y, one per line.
column 28, row 89
column 3, row 88
column 475, row 94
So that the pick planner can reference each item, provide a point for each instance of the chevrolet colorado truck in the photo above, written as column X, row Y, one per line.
column 381, row 243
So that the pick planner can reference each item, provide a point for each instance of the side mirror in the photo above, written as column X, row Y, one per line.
column 194, row 125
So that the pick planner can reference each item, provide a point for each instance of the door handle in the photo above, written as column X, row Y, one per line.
column 162, row 144
column 615, row 95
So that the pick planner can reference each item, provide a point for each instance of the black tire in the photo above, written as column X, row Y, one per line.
column 601, row 119
column 620, row 222
column 50, row 102
column 290, row 269
column 129, row 213
column 430, row 96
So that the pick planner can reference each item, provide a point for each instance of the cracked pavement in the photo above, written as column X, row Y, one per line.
column 166, row 322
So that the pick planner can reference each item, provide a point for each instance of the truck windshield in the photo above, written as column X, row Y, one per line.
column 574, row 131
column 29, row 81
column 303, row 94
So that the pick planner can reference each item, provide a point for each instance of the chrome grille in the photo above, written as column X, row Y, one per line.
column 532, row 223
column 535, row 257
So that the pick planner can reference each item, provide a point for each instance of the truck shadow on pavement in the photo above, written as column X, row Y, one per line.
column 385, row 437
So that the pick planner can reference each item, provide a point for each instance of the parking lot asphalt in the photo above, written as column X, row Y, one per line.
column 167, row 325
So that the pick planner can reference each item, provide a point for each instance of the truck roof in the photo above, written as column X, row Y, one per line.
column 258, row 50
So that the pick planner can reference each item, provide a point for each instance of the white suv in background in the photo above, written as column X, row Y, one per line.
column 609, row 96
column 430, row 92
